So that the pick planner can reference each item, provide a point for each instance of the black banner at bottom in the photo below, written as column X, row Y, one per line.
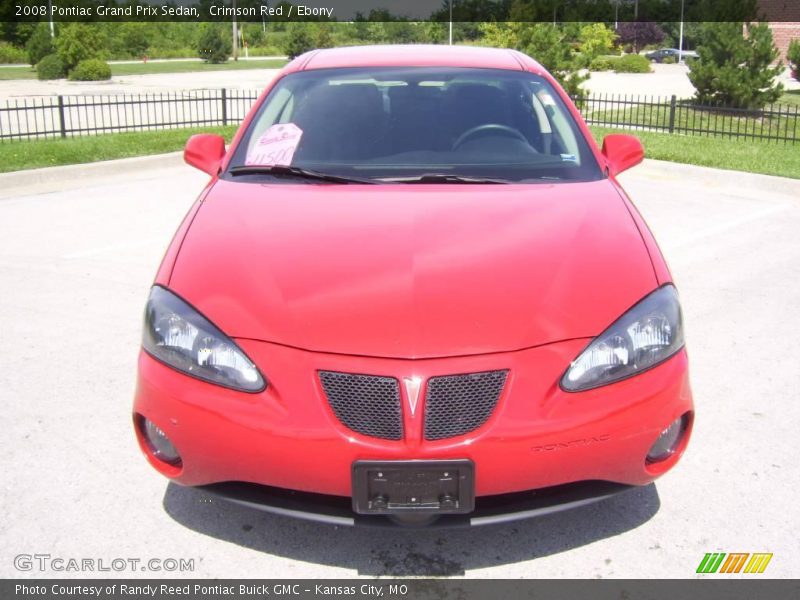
column 396, row 589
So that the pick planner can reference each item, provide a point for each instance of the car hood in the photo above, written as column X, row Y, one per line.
column 412, row 271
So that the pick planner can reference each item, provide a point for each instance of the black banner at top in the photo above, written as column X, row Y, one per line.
column 608, row 11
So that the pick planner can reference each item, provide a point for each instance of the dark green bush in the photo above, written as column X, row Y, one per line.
column 51, row 67
column 77, row 42
column 92, row 69
column 632, row 63
column 211, row 46
column 40, row 44
column 298, row 41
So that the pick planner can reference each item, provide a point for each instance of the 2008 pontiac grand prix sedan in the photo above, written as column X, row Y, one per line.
column 413, row 288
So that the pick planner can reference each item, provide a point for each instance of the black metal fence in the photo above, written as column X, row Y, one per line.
column 68, row 116
column 774, row 123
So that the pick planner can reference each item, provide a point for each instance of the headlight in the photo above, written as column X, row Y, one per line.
column 179, row 336
column 649, row 333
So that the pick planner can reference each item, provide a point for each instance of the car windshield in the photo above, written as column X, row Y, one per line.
column 414, row 125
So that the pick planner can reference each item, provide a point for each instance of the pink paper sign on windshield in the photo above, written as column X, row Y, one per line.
column 276, row 146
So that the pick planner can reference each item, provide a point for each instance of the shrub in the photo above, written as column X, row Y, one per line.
column 668, row 60
column 793, row 55
column 212, row 47
column 92, row 69
column 51, row 67
column 298, row 41
column 40, row 44
column 632, row 63
column 603, row 63
column 735, row 70
column 595, row 39
column 11, row 54
column 78, row 41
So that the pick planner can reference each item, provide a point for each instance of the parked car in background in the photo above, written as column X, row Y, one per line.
column 671, row 55
column 413, row 288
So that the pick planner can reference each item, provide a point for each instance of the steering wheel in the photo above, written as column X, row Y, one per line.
column 494, row 127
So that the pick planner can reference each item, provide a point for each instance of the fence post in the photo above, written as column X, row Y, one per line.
column 224, row 98
column 61, row 120
column 672, row 103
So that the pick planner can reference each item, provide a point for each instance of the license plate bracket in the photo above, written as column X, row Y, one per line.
column 413, row 486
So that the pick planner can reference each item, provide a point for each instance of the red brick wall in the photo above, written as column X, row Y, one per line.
column 783, row 33
column 779, row 13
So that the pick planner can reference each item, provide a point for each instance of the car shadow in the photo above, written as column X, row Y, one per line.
column 409, row 552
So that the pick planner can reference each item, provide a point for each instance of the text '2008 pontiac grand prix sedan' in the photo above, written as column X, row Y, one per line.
column 414, row 289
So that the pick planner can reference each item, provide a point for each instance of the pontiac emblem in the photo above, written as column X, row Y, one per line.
column 412, row 385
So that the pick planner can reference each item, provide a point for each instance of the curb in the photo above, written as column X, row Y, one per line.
column 723, row 178
column 51, row 179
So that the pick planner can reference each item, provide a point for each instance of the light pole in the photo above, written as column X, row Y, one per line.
column 50, row 14
column 680, row 43
column 450, row 37
column 235, row 33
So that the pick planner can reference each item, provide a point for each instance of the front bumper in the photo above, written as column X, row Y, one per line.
column 489, row 510
column 288, row 438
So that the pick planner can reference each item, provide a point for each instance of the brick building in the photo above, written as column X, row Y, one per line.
column 783, row 33
column 783, row 17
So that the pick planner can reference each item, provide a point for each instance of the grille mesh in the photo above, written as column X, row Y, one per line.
column 367, row 404
column 458, row 404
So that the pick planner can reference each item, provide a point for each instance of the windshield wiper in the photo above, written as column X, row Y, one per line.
column 296, row 172
column 444, row 178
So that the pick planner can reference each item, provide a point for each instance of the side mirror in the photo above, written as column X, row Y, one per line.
column 622, row 152
column 205, row 151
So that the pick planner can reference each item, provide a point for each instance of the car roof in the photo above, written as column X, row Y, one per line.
column 416, row 55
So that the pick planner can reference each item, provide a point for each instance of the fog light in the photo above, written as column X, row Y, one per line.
column 159, row 443
column 668, row 440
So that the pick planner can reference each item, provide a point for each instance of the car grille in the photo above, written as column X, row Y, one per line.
column 367, row 404
column 458, row 404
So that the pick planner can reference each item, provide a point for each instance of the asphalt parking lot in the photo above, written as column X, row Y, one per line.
column 79, row 249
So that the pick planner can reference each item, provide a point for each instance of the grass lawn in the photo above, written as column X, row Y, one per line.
column 739, row 155
column 768, row 158
column 140, row 68
column 15, row 156
column 792, row 98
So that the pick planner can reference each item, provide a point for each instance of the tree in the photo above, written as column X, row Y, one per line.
column 595, row 39
column 734, row 68
column 77, row 42
column 40, row 44
column 637, row 34
column 212, row 46
column 298, row 41
column 323, row 35
column 135, row 39
column 546, row 43
column 793, row 55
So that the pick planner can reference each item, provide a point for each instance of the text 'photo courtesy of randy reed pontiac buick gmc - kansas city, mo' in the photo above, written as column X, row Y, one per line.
column 413, row 292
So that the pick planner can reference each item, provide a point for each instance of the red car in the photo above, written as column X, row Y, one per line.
column 413, row 288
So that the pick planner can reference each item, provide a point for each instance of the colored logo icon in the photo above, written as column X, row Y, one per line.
column 737, row 562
